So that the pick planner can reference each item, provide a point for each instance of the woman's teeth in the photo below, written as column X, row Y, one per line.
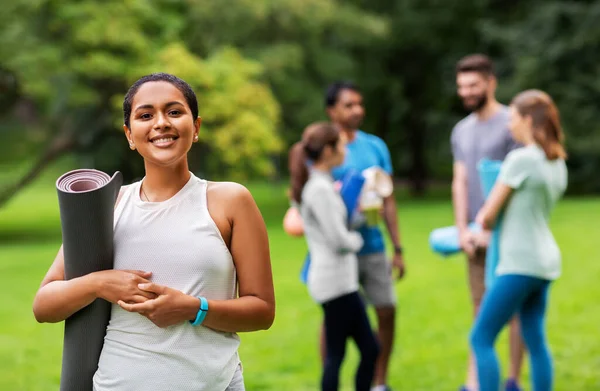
column 163, row 140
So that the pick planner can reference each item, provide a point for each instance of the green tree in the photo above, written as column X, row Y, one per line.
column 302, row 44
column 73, row 61
column 554, row 46
column 260, row 68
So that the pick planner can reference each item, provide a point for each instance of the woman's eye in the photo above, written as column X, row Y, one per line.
column 174, row 112
column 145, row 116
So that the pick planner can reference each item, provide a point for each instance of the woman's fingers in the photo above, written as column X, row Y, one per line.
column 141, row 273
column 147, row 295
column 139, row 299
column 136, row 307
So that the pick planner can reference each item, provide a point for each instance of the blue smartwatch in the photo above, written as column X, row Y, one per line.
column 201, row 312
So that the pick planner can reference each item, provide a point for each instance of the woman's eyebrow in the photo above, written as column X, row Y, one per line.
column 173, row 103
column 141, row 107
column 149, row 106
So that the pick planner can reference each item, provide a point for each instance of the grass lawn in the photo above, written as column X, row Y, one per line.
column 433, row 319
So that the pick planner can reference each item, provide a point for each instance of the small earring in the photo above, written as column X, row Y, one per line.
column 132, row 146
column 196, row 138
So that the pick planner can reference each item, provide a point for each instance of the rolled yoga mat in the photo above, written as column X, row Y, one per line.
column 86, row 199
column 445, row 240
column 352, row 184
column 488, row 173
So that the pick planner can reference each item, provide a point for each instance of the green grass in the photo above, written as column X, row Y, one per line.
column 433, row 319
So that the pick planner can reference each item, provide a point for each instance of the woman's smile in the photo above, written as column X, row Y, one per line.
column 164, row 141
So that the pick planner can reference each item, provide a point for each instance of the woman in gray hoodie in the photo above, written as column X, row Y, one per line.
column 333, row 274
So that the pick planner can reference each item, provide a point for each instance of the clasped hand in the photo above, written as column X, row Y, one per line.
column 470, row 241
column 115, row 285
column 134, row 292
column 169, row 307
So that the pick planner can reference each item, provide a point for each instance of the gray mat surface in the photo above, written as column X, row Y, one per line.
column 86, row 200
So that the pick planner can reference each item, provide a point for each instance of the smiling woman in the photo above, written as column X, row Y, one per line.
column 191, row 266
column 161, row 119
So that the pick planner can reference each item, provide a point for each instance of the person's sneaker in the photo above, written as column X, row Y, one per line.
column 511, row 385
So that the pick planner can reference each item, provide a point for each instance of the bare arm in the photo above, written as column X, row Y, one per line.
column 57, row 298
column 460, row 199
column 498, row 197
column 391, row 221
column 255, row 307
column 514, row 172
column 390, row 216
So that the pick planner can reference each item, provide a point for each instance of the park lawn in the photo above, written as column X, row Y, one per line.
column 433, row 319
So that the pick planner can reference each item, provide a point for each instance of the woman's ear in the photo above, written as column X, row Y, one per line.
column 528, row 121
column 328, row 151
column 197, row 124
column 128, row 137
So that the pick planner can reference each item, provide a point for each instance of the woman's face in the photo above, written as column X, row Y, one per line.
column 333, row 155
column 162, row 128
column 340, row 151
column 519, row 125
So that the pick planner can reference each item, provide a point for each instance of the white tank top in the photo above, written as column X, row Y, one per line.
column 177, row 241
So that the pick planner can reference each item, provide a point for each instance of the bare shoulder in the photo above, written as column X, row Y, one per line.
column 230, row 203
column 228, row 191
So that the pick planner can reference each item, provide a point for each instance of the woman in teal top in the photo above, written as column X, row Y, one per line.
column 532, row 179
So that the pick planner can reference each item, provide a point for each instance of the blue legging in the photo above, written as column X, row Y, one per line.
column 508, row 295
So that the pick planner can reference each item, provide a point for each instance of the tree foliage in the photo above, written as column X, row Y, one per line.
column 74, row 60
column 260, row 68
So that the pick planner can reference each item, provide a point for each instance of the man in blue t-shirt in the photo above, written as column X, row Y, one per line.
column 344, row 105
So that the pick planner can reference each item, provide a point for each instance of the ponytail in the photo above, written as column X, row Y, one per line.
column 547, row 131
column 298, row 170
column 548, row 140
column 315, row 138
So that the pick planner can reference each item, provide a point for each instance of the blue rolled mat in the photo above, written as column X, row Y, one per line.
column 488, row 173
column 86, row 200
column 445, row 240
column 305, row 267
column 352, row 184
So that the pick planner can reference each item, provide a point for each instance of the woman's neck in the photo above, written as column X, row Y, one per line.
column 162, row 183
column 528, row 139
column 322, row 167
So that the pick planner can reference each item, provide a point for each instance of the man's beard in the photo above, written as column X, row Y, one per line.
column 478, row 105
column 354, row 123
